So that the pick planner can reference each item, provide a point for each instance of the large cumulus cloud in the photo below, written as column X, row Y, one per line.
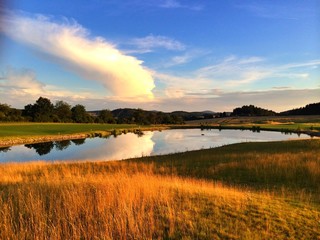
column 70, row 45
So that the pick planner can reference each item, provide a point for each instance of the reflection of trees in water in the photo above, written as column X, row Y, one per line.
column 46, row 147
column 5, row 149
column 78, row 141
column 41, row 148
column 61, row 145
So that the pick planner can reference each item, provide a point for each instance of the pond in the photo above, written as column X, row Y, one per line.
column 132, row 145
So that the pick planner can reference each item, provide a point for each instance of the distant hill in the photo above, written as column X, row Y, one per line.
column 310, row 109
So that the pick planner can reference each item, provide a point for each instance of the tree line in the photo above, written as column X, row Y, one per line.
column 310, row 109
column 43, row 110
column 251, row 110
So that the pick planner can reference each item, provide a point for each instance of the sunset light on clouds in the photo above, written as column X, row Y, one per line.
column 93, row 59
column 161, row 55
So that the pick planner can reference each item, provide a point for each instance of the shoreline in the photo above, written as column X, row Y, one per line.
column 14, row 141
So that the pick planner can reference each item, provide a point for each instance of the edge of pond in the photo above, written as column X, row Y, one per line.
column 12, row 141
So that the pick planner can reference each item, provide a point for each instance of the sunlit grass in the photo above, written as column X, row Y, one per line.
column 242, row 191
column 70, row 202
column 288, row 166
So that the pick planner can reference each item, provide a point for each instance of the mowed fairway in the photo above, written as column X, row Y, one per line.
column 242, row 191
column 44, row 129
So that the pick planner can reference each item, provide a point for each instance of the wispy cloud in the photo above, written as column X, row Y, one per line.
column 178, row 4
column 151, row 42
column 235, row 73
column 71, row 45
column 186, row 57
column 228, row 100
column 277, row 10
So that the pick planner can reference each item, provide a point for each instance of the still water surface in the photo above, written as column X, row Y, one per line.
column 131, row 145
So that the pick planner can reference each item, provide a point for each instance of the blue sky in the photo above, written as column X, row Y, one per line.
column 161, row 54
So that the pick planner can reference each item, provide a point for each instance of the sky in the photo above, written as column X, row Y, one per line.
column 162, row 55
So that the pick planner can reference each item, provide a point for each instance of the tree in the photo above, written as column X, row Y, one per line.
column 310, row 109
column 28, row 112
column 44, row 110
column 41, row 111
column 79, row 114
column 252, row 111
column 105, row 116
column 140, row 117
column 9, row 114
column 62, row 111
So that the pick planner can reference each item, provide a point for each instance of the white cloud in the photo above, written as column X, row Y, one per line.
column 20, row 83
column 235, row 71
column 149, row 43
column 19, row 87
column 177, row 4
column 186, row 57
column 274, row 99
column 236, row 74
column 70, row 45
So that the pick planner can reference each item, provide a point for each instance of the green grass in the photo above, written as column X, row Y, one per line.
column 44, row 129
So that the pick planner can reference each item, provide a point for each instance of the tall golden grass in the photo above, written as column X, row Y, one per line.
column 128, row 200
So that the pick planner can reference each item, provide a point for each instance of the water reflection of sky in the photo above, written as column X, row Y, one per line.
column 131, row 145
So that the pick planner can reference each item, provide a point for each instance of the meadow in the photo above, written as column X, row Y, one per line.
column 241, row 191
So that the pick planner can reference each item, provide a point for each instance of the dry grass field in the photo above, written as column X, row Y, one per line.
column 242, row 191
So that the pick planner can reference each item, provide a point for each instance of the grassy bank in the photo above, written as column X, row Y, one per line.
column 21, row 133
column 242, row 191
column 302, row 124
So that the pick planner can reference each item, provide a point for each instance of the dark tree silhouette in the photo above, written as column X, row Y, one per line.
column 62, row 111
column 41, row 148
column 61, row 145
column 79, row 114
column 105, row 116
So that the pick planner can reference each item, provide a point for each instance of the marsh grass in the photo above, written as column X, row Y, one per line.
column 288, row 166
column 242, row 191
